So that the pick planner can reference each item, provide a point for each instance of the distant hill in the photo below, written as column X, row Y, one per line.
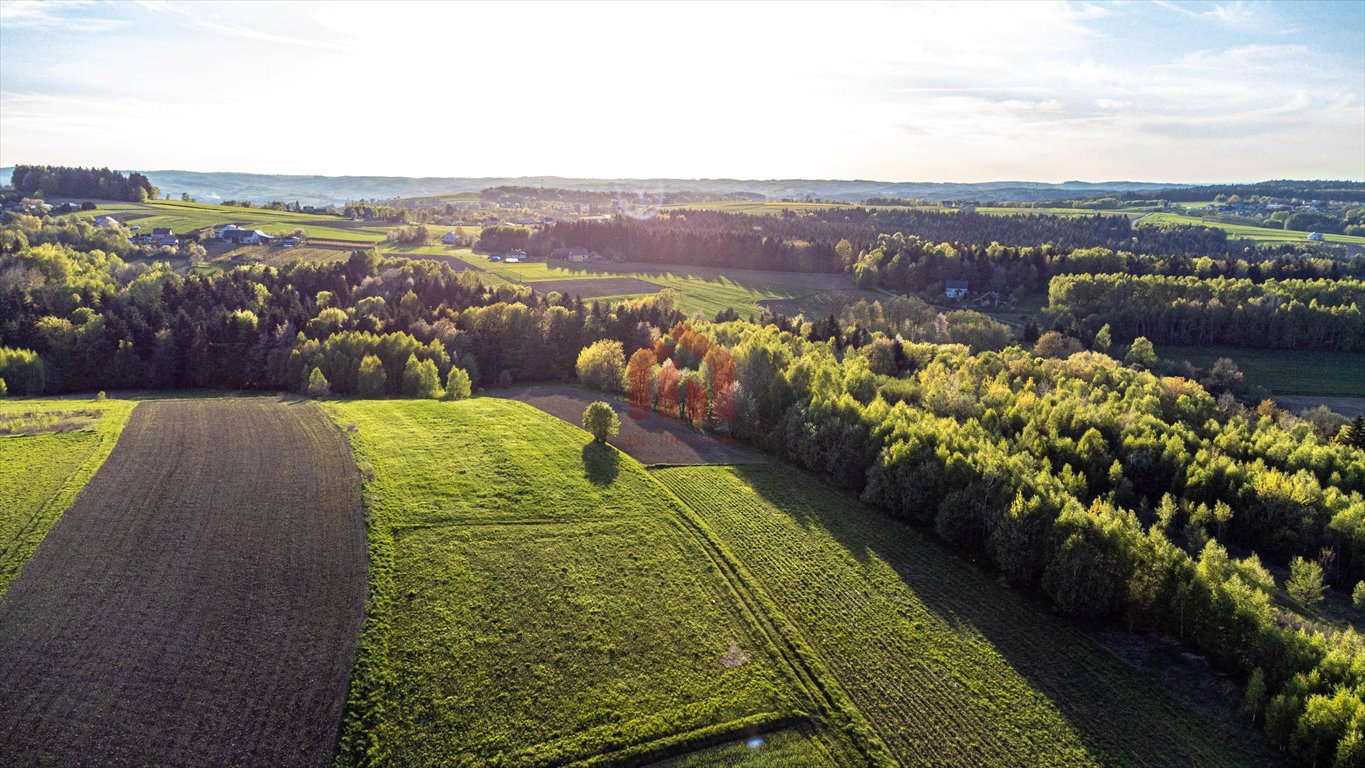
column 321, row 190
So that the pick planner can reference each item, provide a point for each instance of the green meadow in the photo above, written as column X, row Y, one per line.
column 49, row 450
column 950, row 667
column 537, row 599
column 1246, row 232
column 184, row 217
column 1283, row 371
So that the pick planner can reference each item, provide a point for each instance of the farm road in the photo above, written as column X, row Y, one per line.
column 199, row 604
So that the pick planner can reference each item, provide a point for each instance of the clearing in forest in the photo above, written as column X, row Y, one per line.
column 200, row 602
column 540, row 600
column 951, row 668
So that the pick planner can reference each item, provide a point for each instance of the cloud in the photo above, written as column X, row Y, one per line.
column 205, row 16
column 33, row 14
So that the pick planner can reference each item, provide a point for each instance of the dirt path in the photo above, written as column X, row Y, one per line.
column 646, row 437
column 200, row 602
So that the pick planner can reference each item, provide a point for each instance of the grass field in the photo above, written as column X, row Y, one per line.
column 950, row 667
column 49, row 450
column 539, row 601
column 185, row 217
column 1245, row 232
column 199, row 604
column 708, row 291
column 818, row 306
column 1283, row 371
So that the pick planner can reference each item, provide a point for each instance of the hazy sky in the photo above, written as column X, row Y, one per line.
column 1160, row 91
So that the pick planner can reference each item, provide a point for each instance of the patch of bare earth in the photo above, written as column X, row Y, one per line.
column 199, row 604
column 645, row 436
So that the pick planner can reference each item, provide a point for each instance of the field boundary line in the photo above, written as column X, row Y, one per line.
column 687, row 742
column 808, row 671
column 64, row 498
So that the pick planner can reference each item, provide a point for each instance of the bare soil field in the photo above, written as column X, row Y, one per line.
column 596, row 286
column 647, row 437
column 200, row 602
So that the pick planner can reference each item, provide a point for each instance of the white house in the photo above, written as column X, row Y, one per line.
column 1315, row 236
column 108, row 222
column 449, row 239
column 241, row 236
column 514, row 257
column 955, row 289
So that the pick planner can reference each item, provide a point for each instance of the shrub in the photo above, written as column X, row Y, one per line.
column 317, row 384
column 457, row 384
column 1357, row 594
column 601, row 421
column 1142, row 354
column 1054, row 344
column 1305, row 581
column 371, row 377
column 602, row 365
column 4, row 390
column 421, row 379
column 22, row 370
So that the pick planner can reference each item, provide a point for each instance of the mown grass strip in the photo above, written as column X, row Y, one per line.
column 41, row 474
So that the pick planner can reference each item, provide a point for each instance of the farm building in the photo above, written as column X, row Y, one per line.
column 108, row 222
column 164, row 236
column 515, row 256
column 240, row 236
column 576, row 254
column 449, row 238
column 1315, row 236
column 955, row 289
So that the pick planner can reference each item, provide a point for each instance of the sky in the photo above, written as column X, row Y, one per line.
column 962, row 91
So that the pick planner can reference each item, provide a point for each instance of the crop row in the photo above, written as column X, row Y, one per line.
column 950, row 668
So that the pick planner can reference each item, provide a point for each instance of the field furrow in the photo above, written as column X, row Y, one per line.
column 949, row 667
column 200, row 602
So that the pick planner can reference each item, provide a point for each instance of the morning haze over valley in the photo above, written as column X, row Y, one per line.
column 690, row 385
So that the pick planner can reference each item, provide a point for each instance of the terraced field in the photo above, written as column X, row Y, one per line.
column 950, row 668
column 538, row 600
column 199, row 604
column 49, row 450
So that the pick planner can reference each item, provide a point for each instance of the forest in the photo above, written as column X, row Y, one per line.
column 40, row 181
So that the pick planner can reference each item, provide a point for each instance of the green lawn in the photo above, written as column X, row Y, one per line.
column 950, row 667
column 1262, row 234
column 41, row 473
column 185, row 217
column 538, row 600
column 1283, row 371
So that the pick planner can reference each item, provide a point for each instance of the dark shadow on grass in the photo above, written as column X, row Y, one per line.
column 601, row 463
column 1083, row 680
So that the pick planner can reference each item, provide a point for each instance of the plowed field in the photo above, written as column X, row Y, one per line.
column 200, row 602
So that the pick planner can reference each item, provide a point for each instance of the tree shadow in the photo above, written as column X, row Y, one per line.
column 1082, row 679
column 601, row 463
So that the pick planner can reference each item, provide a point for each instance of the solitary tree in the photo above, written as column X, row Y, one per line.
column 457, row 384
column 1305, row 581
column 1254, row 700
column 370, row 379
column 317, row 384
column 600, row 420
column 1142, row 354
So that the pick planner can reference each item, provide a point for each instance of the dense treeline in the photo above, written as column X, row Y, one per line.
column 98, row 322
column 696, row 238
column 100, row 183
column 901, row 263
column 1286, row 314
column 1112, row 491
